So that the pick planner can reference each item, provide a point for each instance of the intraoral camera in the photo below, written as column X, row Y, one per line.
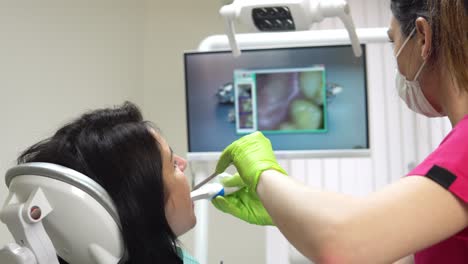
column 52, row 210
column 285, row 15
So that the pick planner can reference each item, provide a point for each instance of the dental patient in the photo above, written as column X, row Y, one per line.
column 129, row 158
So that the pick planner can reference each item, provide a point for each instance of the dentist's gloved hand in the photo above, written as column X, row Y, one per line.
column 243, row 204
column 251, row 155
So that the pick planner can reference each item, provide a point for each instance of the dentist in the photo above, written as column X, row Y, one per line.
column 424, row 213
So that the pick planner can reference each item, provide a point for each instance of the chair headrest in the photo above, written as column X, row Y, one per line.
column 66, row 175
column 84, row 219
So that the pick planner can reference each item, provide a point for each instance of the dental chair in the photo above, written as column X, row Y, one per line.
column 55, row 211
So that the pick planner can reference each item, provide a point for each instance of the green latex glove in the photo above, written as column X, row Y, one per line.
column 243, row 204
column 251, row 155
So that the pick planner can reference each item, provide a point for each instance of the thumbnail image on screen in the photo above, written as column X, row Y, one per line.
column 301, row 98
column 281, row 100
column 245, row 108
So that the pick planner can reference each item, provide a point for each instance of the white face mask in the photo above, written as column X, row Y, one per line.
column 410, row 91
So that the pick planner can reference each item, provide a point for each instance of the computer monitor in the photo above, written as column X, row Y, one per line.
column 301, row 98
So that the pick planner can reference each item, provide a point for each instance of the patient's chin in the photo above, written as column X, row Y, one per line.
column 194, row 222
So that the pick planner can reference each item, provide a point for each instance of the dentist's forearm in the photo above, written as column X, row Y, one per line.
column 310, row 219
column 380, row 228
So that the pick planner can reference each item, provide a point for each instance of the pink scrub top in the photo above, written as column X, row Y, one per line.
column 448, row 166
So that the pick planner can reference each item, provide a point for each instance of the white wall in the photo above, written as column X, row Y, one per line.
column 59, row 58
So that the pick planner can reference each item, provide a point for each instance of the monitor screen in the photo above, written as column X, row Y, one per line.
column 310, row 98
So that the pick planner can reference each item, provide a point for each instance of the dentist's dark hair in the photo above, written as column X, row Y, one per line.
column 449, row 23
column 116, row 148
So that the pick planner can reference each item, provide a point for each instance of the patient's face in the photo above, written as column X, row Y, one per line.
column 179, row 205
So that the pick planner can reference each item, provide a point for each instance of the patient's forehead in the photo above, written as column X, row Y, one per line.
column 166, row 150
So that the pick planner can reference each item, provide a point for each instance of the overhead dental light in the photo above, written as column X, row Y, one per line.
column 285, row 15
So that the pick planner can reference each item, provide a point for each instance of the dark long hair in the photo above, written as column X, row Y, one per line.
column 449, row 23
column 115, row 148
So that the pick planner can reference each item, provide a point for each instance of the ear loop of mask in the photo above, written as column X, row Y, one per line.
column 420, row 70
column 403, row 46
column 406, row 42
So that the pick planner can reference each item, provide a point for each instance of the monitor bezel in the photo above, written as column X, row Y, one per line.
column 283, row 154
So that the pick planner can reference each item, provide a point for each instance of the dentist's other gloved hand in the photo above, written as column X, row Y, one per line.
column 251, row 155
column 243, row 204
